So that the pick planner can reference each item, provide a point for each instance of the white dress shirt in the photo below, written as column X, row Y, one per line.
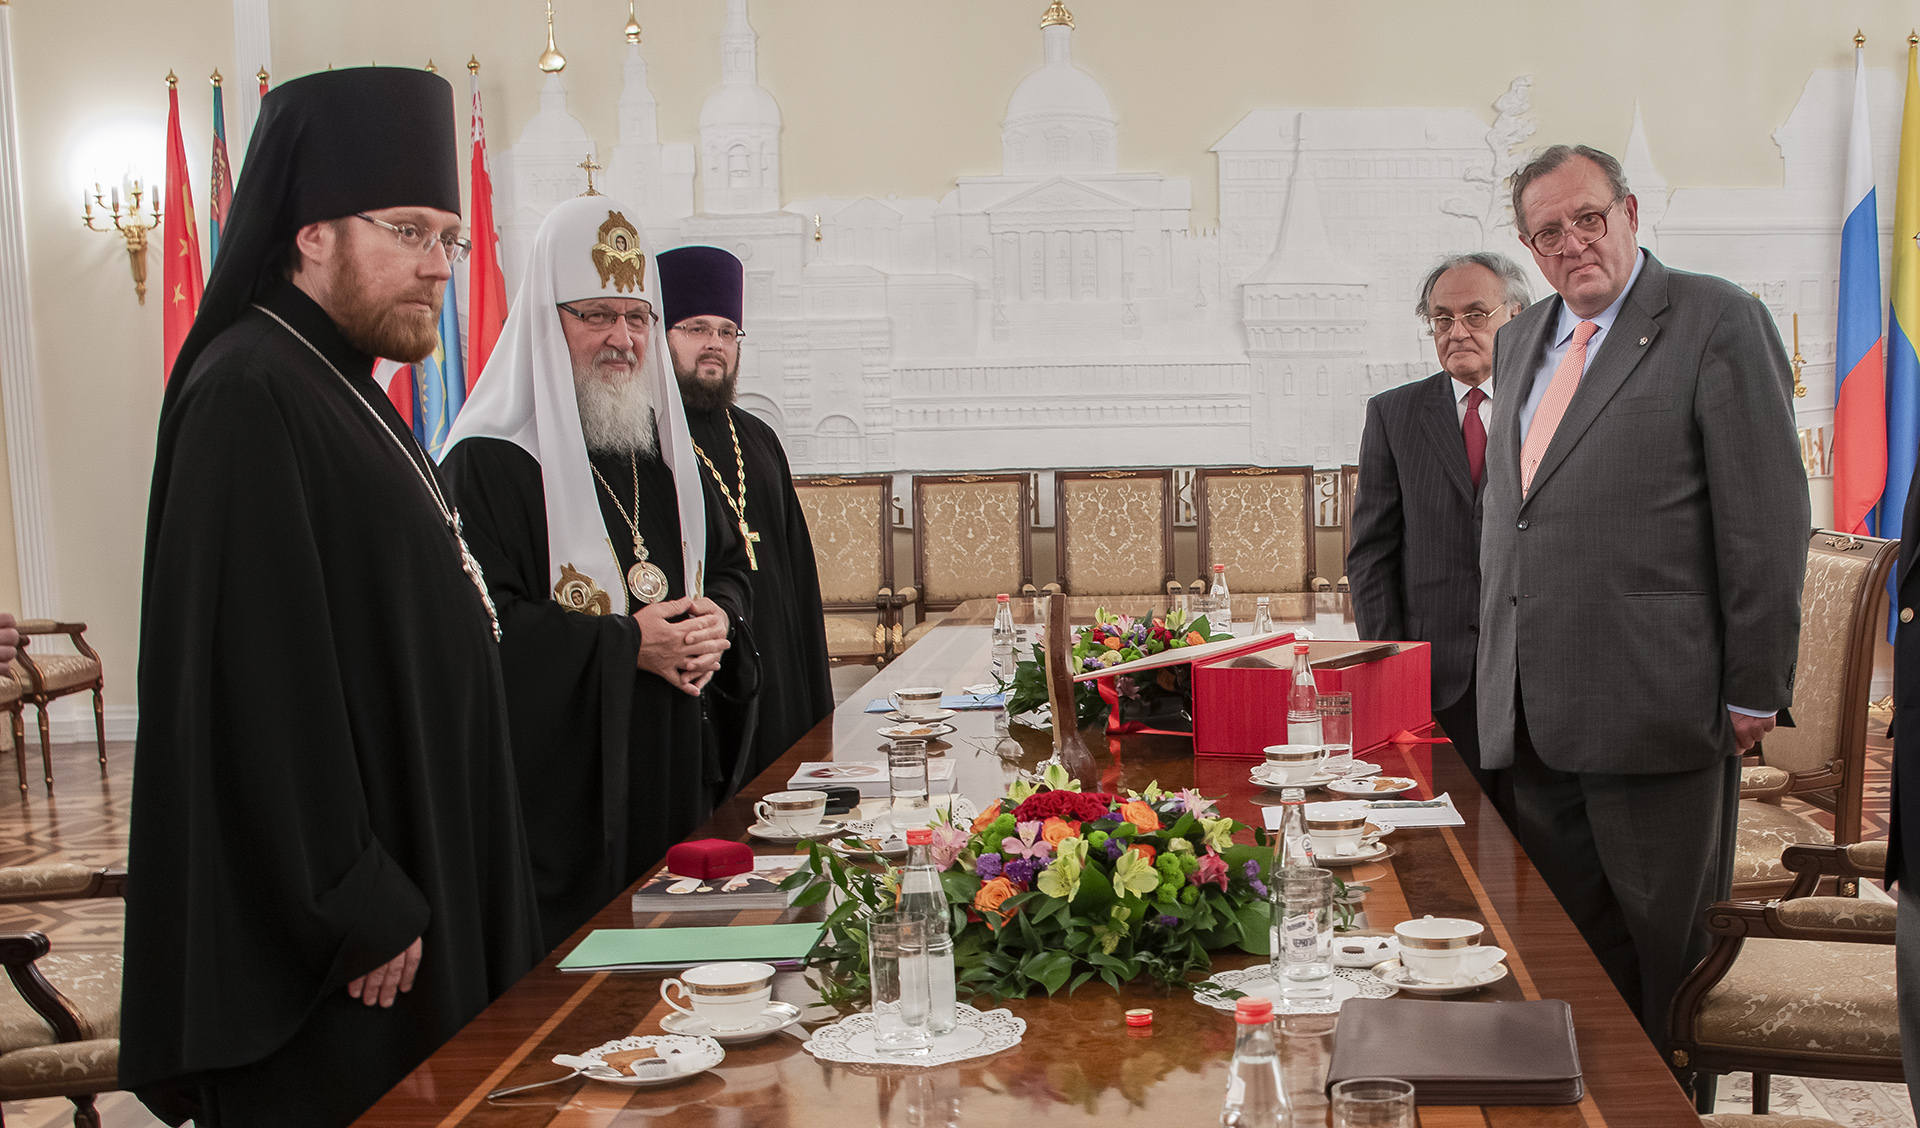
column 1460, row 393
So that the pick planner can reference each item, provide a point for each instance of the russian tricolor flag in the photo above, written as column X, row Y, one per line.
column 1859, row 394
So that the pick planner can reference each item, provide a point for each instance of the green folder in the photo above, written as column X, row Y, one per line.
column 643, row 949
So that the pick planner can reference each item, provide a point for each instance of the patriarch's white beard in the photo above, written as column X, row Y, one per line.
column 616, row 409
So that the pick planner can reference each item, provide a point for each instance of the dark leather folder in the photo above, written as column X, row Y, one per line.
column 1459, row 1053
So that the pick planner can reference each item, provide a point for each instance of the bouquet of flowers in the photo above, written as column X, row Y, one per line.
column 1051, row 886
column 1157, row 698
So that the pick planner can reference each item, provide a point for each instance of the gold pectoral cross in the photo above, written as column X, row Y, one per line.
column 751, row 538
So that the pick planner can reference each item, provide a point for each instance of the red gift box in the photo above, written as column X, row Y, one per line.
column 709, row 858
column 1239, row 708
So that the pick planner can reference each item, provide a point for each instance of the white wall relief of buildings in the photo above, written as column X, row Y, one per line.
column 1064, row 313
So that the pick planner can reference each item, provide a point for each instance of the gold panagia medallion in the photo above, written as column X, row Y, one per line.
column 647, row 582
column 576, row 591
column 617, row 255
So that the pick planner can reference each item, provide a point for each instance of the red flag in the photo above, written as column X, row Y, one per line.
column 486, row 286
column 397, row 380
column 179, row 242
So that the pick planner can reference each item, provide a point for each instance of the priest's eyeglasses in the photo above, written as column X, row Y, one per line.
column 722, row 333
column 1591, row 227
column 1475, row 321
column 639, row 319
column 423, row 242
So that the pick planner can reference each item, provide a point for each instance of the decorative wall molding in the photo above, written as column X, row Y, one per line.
column 19, row 369
column 252, row 53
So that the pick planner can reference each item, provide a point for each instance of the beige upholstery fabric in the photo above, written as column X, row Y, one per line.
column 970, row 533
column 1869, row 856
column 850, row 635
column 844, row 522
column 1806, row 997
column 1762, row 778
column 63, row 671
column 1114, row 541
column 1864, row 917
column 1764, row 1120
column 1256, row 527
column 43, row 881
column 61, row 1070
column 1826, row 618
column 37, row 626
column 11, row 689
column 89, row 980
column 1766, row 831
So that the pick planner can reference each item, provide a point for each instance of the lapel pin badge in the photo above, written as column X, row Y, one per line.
column 1644, row 340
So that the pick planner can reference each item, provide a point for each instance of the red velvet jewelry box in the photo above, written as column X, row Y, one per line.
column 710, row 858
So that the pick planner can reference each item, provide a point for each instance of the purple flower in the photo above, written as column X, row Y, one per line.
column 1091, row 663
column 1021, row 871
column 1259, row 886
column 1115, row 847
column 1251, row 869
column 1165, row 921
column 987, row 867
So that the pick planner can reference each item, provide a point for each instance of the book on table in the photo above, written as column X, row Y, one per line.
column 1508, row 1052
column 870, row 776
column 653, row 949
column 758, row 888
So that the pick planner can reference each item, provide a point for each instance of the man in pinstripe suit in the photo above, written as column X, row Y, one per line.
column 1415, row 563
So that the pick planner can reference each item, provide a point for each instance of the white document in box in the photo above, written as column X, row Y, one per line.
column 870, row 776
column 1396, row 817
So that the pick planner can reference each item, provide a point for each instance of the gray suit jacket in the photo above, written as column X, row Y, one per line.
column 1652, row 576
column 1415, row 562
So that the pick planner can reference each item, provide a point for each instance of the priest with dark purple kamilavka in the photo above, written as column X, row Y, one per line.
column 744, row 461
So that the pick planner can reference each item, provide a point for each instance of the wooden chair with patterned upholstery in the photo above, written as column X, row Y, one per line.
column 13, row 692
column 1349, row 489
column 1822, row 759
column 1113, row 531
column 1803, row 986
column 847, row 517
column 60, row 1025
column 50, row 676
column 1258, row 521
column 972, row 539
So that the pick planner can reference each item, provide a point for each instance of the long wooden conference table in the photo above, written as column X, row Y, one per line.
column 1079, row 1063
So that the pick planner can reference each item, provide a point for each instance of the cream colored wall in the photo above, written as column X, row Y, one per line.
column 877, row 97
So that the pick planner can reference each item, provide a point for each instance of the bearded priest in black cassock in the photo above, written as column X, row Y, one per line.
column 327, row 869
column 621, row 591
column 744, row 461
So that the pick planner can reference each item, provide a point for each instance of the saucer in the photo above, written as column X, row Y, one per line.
column 769, row 833
column 1359, row 770
column 690, row 1055
column 1376, row 787
column 1372, row 851
column 1394, row 975
column 777, row 1017
column 1376, row 944
column 915, row 732
column 938, row 715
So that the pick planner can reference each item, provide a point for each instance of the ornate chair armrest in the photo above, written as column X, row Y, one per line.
column 1174, row 588
column 883, row 598
column 1809, row 863
column 55, row 881
column 1321, row 583
column 18, row 950
column 1843, row 919
column 1764, row 783
column 1342, row 585
column 1053, row 589
column 1197, row 587
column 1028, row 591
column 906, row 595
column 42, row 626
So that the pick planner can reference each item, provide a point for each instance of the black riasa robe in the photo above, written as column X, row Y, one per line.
column 795, row 691
column 615, row 765
column 322, row 771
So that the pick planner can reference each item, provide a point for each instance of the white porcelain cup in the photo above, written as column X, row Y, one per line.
column 726, row 996
column 1444, row 949
column 1338, row 829
column 917, row 701
column 1294, row 763
column 792, row 812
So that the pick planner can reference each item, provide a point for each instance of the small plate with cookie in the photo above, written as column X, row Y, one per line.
column 1374, row 787
column 645, row 1060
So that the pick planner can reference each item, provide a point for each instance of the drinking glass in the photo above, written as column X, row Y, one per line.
column 1302, row 933
column 1373, row 1102
column 902, row 994
column 1336, row 731
column 907, row 779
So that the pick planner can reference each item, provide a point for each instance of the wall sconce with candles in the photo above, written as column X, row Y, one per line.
column 130, row 223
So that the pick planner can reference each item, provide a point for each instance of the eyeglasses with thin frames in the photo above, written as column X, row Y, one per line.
column 725, row 335
column 422, row 242
column 639, row 319
column 1475, row 321
column 1551, row 242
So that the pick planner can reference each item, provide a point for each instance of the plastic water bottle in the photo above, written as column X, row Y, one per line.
column 921, row 892
column 1220, row 603
column 1262, row 617
column 1303, row 701
column 1256, row 1090
column 1003, row 640
column 1295, row 848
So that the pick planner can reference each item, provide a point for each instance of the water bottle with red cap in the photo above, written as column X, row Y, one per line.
column 1303, row 701
column 1256, row 1091
column 921, row 892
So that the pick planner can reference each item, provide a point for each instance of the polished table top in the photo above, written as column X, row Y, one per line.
column 1078, row 1062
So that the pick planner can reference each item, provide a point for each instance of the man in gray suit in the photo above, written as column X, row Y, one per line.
column 1415, row 562
column 1646, row 524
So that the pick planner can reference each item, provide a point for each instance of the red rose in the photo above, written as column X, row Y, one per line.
column 1071, row 805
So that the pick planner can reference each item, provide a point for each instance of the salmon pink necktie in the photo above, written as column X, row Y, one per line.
column 1553, row 406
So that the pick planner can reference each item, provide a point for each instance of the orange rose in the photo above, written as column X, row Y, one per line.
column 1139, row 814
column 990, row 897
column 986, row 818
column 1194, row 639
column 1113, row 643
column 1145, row 851
column 1057, row 829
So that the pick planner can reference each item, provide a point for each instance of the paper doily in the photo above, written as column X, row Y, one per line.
column 979, row 1033
column 1348, row 983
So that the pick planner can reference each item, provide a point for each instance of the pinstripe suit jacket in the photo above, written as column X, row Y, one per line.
column 1652, row 576
column 1414, row 567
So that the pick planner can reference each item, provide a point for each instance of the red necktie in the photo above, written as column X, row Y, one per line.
column 1475, row 432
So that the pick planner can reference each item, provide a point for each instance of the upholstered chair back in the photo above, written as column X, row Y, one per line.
column 1113, row 531
column 849, row 521
column 1258, row 521
column 970, row 537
